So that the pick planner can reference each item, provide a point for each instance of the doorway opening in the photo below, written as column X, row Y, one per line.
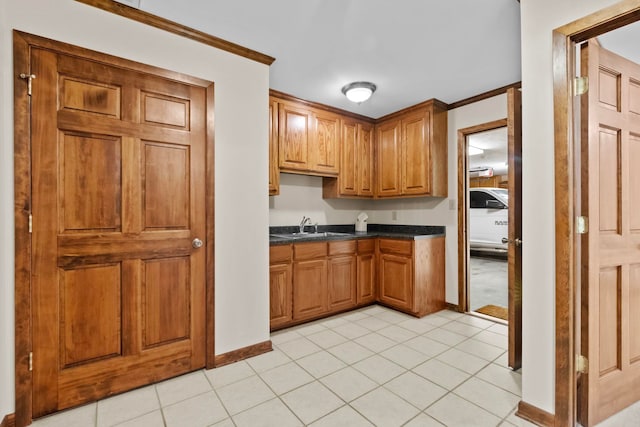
column 487, row 221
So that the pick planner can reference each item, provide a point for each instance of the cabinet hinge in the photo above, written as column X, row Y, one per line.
column 30, row 223
column 582, row 225
column 582, row 364
column 580, row 85
column 31, row 361
column 29, row 78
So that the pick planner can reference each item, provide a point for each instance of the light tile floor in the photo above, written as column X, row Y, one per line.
column 370, row 367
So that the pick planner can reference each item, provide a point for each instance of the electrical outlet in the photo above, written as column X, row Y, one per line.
column 394, row 215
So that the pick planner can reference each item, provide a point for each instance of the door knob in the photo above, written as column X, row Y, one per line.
column 197, row 243
column 517, row 241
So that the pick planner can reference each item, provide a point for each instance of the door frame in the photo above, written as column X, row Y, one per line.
column 463, row 226
column 22, row 45
column 566, row 180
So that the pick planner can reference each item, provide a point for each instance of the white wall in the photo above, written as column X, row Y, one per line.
column 241, row 135
column 302, row 195
column 538, row 19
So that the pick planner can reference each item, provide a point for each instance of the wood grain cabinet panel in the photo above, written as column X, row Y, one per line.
column 355, row 179
column 412, row 282
column 295, row 125
column 280, row 285
column 310, row 293
column 412, row 152
column 366, row 272
column 324, row 153
column 342, row 271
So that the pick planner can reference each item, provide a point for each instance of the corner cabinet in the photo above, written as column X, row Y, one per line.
column 412, row 274
column 411, row 152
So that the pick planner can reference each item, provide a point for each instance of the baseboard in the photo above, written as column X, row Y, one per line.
column 453, row 307
column 535, row 415
column 242, row 353
column 9, row 421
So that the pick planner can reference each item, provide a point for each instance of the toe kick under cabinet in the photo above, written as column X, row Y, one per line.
column 317, row 279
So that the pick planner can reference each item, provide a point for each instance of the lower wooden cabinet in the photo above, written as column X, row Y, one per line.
column 316, row 279
column 280, row 285
column 366, row 272
column 310, row 293
column 412, row 274
column 342, row 274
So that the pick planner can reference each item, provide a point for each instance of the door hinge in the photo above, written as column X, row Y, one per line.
column 582, row 364
column 29, row 78
column 30, row 223
column 582, row 225
column 580, row 85
column 31, row 361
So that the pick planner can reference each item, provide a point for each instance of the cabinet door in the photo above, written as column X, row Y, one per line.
column 388, row 154
column 348, row 180
column 280, row 294
column 309, row 288
column 366, row 278
column 342, row 282
column 323, row 151
column 364, row 160
column 416, row 153
column 294, row 135
column 274, row 170
column 396, row 284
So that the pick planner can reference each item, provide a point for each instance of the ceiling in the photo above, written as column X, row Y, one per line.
column 413, row 50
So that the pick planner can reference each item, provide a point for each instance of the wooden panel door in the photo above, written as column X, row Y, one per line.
column 514, row 255
column 274, row 170
column 295, row 127
column 309, row 288
column 324, row 150
column 342, row 282
column 416, row 153
column 388, row 155
column 118, row 167
column 364, row 160
column 396, row 283
column 610, row 316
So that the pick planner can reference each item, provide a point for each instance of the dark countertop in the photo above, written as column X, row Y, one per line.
column 408, row 232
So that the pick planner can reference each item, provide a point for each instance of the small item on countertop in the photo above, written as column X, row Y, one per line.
column 361, row 222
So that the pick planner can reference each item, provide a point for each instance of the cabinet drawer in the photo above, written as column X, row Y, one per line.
column 342, row 247
column 280, row 253
column 366, row 246
column 403, row 247
column 309, row 250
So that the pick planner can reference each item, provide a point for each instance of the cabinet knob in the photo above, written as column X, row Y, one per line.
column 197, row 243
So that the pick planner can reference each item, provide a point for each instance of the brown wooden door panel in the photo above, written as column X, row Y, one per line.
column 280, row 294
column 388, row 155
column 611, row 249
column 366, row 278
column 396, row 281
column 416, row 154
column 364, row 159
column 348, row 179
column 295, row 128
column 118, row 195
column 309, row 288
column 324, row 154
column 342, row 282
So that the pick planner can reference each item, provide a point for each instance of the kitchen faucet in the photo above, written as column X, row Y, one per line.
column 304, row 221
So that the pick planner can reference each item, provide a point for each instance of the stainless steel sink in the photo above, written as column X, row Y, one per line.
column 320, row 235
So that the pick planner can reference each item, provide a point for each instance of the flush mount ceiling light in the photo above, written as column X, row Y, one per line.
column 358, row 92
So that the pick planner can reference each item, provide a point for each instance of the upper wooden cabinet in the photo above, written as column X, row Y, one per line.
column 308, row 139
column 274, row 170
column 412, row 152
column 356, row 162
